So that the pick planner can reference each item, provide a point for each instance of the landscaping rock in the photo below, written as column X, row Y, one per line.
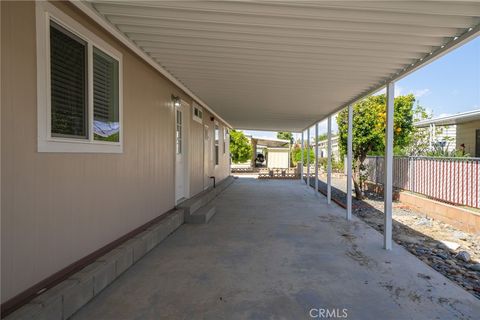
column 419, row 251
column 475, row 267
column 424, row 222
column 459, row 235
column 450, row 245
column 451, row 262
column 463, row 255
column 442, row 255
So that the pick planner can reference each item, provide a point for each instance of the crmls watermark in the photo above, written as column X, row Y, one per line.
column 327, row 313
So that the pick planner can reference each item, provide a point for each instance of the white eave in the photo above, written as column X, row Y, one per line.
column 450, row 120
column 283, row 65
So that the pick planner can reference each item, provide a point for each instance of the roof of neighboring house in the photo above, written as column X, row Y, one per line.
column 270, row 142
column 450, row 120
column 323, row 141
column 278, row 149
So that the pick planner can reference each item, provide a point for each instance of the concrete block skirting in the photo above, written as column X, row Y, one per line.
column 121, row 257
column 63, row 300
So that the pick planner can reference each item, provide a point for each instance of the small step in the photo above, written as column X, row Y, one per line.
column 193, row 204
column 196, row 205
column 202, row 215
column 198, row 201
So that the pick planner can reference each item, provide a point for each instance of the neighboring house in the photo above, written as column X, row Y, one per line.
column 323, row 147
column 275, row 151
column 463, row 130
column 98, row 142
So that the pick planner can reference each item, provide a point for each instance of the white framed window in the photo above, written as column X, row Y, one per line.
column 197, row 113
column 79, row 87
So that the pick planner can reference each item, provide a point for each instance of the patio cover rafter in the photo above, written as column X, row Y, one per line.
column 242, row 59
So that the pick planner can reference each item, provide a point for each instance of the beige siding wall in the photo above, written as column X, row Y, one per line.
column 199, row 171
column 222, row 170
column 208, row 172
column 466, row 135
column 59, row 207
column 196, row 151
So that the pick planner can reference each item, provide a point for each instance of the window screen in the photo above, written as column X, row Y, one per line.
column 68, row 74
column 105, row 97
column 197, row 114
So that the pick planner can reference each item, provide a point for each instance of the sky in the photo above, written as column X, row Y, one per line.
column 449, row 85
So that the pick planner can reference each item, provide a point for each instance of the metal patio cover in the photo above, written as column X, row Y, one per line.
column 285, row 65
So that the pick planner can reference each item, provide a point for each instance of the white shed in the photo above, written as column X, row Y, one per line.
column 278, row 158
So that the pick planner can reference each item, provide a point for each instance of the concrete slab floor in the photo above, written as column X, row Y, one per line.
column 276, row 250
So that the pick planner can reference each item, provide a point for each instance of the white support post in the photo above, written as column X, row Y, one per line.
column 349, row 162
column 301, row 159
column 308, row 157
column 329, row 160
column 388, row 186
column 316, row 157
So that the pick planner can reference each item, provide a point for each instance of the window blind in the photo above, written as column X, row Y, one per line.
column 68, row 76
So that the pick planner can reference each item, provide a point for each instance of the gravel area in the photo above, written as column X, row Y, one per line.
column 452, row 252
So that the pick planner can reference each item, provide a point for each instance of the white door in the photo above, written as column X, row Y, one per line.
column 207, row 151
column 180, row 157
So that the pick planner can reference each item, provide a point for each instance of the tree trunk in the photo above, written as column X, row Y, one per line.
column 357, row 178
column 357, row 182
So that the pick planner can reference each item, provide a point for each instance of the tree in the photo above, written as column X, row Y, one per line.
column 297, row 154
column 322, row 137
column 284, row 135
column 369, row 122
column 419, row 142
column 422, row 144
column 240, row 147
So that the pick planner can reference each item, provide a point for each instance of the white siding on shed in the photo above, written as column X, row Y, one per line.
column 277, row 158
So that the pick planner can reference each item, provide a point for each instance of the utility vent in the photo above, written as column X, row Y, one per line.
column 197, row 114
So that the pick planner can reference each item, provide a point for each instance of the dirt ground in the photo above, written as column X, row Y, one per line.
column 422, row 227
